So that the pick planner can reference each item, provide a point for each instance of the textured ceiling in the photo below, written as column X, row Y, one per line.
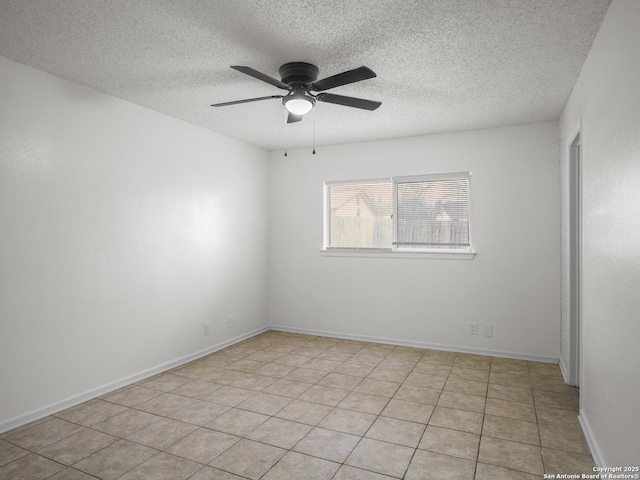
column 442, row 65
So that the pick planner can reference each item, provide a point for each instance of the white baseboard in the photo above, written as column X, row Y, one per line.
column 74, row 400
column 564, row 371
column 596, row 453
column 411, row 343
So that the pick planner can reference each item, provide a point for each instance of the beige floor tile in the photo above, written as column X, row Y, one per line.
column 365, row 359
column 354, row 369
column 132, row 396
column 192, row 370
column 470, row 374
column 287, row 388
column 246, row 365
column 115, row 460
column 275, row 370
column 9, row 452
column 304, row 412
column 556, row 385
column 414, row 393
column 324, row 395
column 229, row 396
column 450, row 442
column 347, row 421
column 352, row 473
column 91, row 412
column 556, row 461
column 165, row 404
column 512, row 455
column 199, row 413
column 462, row 401
column 388, row 374
column 292, row 360
column 454, row 419
column 557, row 416
column 30, row 467
column 162, row 434
column 491, row 472
column 237, row 422
column 521, row 380
column 126, row 423
column 566, row 439
column 513, row 393
column 510, row 429
column 43, row 434
column 75, row 447
column 280, row 433
column 296, row 466
column 165, row 382
column 327, row 444
column 438, row 357
column 307, row 375
column 400, row 364
column 468, row 387
column 198, row 389
column 432, row 369
column 264, row 356
column 71, row 474
column 209, row 473
column 396, row 431
column 434, row 466
column 281, row 347
column 557, row 400
column 248, row 459
column 410, row 411
column 381, row 457
column 338, row 380
column 254, row 382
column 377, row 387
column 364, row 402
column 322, row 364
column 477, row 362
column 426, row 380
column 515, row 410
column 163, row 467
column 265, row 403
column 203, row 445
column 308, row 351
column 335, row 355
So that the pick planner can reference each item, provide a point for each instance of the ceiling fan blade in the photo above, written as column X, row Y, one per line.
column 344, row 78
column 236, row 102
column 291, row 118
column 349, row 101
column 261, row 76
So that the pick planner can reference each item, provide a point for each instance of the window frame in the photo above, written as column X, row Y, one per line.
column 394, row 251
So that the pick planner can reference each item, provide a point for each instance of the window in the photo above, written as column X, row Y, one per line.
column 427, row 213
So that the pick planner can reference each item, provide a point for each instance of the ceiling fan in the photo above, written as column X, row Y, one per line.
column 300, row 80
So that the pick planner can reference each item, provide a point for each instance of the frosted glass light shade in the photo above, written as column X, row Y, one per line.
column 298, row 106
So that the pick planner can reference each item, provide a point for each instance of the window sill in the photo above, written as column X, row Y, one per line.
column 374, row 253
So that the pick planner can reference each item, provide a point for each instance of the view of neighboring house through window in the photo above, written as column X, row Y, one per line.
column 417, row 213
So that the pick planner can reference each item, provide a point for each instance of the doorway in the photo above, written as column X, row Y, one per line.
column 575, row 259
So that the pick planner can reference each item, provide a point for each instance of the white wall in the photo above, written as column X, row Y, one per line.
column 607, row 98
column 121, row 232
column 513, row 283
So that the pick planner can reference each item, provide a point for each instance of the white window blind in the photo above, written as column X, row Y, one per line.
column 417, row 213
column 359, row 214
column 432, row 213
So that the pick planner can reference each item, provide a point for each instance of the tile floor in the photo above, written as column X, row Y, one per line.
column 288, row 406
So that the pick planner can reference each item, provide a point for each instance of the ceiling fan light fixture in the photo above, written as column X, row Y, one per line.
column 298, row 103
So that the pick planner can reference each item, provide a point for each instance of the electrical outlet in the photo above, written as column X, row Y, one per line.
column 473, row 328
column 487, row 331
column 229, row 321
column 207, row 329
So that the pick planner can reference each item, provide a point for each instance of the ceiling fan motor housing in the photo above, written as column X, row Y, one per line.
column 299, row 74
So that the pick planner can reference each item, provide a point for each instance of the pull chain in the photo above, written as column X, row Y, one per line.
column 285, row 131
column 314, row 131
